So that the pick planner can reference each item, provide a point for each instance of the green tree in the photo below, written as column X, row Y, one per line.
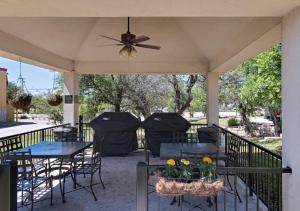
column 199, row 99
column 262, row 86
column 12, row 89
column 182, row 95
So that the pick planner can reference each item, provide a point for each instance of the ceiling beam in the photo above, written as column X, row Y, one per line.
column 267, row 40
column 131, row 67
column 13, row 48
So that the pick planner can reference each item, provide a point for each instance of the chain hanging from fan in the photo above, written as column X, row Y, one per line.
column 129, row 41
column 22, row 98
column 54, row 98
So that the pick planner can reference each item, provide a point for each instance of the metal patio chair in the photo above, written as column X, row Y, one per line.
column 89, row 167
column 29, row 180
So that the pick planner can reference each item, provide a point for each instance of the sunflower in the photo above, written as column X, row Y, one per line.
column 171, row 162
column 207, row 160
column 185, row 162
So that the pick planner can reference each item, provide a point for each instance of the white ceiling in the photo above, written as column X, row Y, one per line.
column 146, row 8
column 188, row 44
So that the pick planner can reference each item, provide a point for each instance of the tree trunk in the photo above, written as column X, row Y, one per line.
column 117, row 108
column 245, row 120
column 277, row 126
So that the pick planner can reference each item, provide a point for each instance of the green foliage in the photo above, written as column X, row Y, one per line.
column 12, row 89
column 262, row 87
column 230, row 84
column 40, row 105
column 199, row 99
column 232, row 122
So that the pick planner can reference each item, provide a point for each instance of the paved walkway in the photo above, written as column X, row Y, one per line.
column 119, row 177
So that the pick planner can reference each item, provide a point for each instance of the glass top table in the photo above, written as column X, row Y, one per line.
column 62, row 150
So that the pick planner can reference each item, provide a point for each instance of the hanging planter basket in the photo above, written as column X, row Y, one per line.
column 21, row 100
column 54, row 99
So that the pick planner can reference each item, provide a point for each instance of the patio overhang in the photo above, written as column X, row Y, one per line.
column 189, row 45
column 144, row 8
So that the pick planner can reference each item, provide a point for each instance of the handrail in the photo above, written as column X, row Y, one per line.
column 250, row 142
column 32, row 131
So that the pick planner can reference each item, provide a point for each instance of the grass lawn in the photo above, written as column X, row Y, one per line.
column 275, row 145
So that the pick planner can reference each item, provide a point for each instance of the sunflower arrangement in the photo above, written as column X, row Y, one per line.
column 182, row 177
column 206, row 168
column 184, row 169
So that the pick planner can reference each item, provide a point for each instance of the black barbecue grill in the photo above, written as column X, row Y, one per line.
column 164, row 128
column 115, row 133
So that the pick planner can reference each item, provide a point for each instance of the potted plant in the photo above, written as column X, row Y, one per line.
column 21, row 100
column 54, row 99
column 184, row 178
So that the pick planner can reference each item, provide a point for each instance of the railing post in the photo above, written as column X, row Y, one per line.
column 250, row 165
column 8, row 184
column 81, row 128
column 43, row 135
column 142, row 187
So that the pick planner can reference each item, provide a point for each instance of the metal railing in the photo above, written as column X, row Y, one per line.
column 251, row 155
column 35, row 136
column 88, row 132
column 228, row 200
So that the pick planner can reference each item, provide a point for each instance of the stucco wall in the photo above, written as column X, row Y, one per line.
column 3, row 100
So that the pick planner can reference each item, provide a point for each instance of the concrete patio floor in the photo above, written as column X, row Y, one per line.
column 119, row 177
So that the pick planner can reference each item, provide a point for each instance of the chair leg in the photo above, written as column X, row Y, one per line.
column 99, row 172
column 91, row 186
column 51, row 191
column 31, row 198
column 216, row 203
column 227, row 177
column 237, row 193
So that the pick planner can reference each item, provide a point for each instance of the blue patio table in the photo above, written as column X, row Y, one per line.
column 58, row 150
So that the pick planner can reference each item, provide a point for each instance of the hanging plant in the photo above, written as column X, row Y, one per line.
column 21, row 100
column 54, row 99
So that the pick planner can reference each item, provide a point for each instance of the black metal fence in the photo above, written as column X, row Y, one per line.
column 88, row 133
column 267, row 186
column 226, row 200
column 35, row 136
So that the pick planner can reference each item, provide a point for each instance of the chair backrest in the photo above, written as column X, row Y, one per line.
column 11, row 144
column 26, row 169
column 233, row 150
column 66, row 134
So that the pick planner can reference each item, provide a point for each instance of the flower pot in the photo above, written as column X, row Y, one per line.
column 21, row 101
column 199, row 187
column 54, row 100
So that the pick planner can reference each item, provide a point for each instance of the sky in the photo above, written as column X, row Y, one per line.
column 35, row 77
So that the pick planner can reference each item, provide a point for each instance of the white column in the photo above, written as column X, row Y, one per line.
column 212, row 98
column 71, row 90
column 291, row 109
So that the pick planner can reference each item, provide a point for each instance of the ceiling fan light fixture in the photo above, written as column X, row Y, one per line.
column 128, row 52
column 133, row 52
column 124, row 52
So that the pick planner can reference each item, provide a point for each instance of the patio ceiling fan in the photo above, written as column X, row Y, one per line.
column 130, row 41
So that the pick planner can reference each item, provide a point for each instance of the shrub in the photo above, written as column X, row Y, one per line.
column 23, row 116
column 232, row 122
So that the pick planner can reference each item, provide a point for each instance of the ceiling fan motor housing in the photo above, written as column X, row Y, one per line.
column 128, row 38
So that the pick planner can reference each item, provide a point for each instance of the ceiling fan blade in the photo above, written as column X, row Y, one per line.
column 148, row 46
column 110, row 38
column 118, row 44
column 141, row 38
